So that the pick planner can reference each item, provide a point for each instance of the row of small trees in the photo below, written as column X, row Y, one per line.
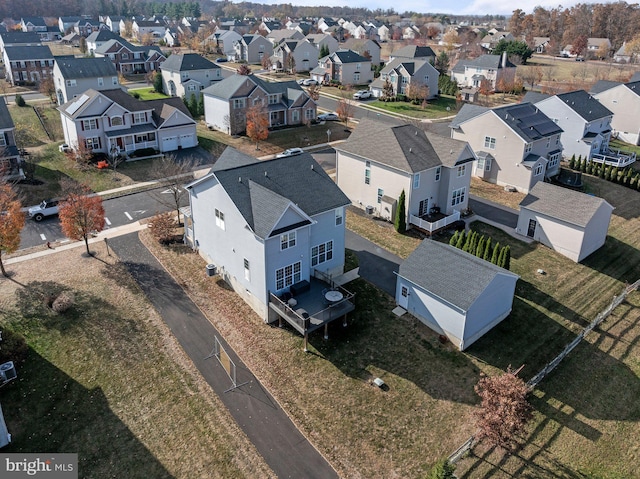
column 482, row 247
column 623, row 176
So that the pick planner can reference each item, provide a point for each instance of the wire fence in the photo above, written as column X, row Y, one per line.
column 551, row 365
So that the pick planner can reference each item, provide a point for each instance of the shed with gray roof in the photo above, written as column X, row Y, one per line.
column 453, row 292
column 570, row 222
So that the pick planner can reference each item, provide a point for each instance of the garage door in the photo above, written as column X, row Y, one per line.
column 170, row 143
column 188, row 141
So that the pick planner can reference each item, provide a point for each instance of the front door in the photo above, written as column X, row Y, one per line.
column 532, row 228
column 403, row 299
column 423, row 208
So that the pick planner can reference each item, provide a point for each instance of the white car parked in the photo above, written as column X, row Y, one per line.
column 290, row 152
column 362, row 95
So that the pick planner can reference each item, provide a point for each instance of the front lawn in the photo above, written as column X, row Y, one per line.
column 29, row 131
column 148, row 94
column 438, row 108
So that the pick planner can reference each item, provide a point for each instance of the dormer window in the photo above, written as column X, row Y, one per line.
column 116, row 121
column 139, row 117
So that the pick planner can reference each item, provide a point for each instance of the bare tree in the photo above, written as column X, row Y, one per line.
column 172, row 174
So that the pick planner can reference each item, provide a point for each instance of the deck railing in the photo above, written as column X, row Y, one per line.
column 617, row 158
column 436, row 225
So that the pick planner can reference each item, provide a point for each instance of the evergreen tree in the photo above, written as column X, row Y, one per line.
column 467, row 243
column 487, row 250
column 193, row 106
column 157, row 82
column 454, row 239
column 461, row 240
column 601, row 171
column 496, row 253
column 634, row 181
column 480, row 247
column 614, row 174
column 474, row 243
column 201, row 106
column 572, row 162
column 401, row 215
column 502, row 257
column 443, row 469
column 507, row 258
column 583, row 165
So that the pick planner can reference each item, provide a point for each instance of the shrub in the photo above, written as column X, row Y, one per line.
column 487, row 250
column 461, row 240
column 454, row 239
column 572, row 162
column 480, row 247
column 13, row 347
column 135, row 95
column 20, row 101
column 443, row 469
column 400, row 222
column 162, row 227
column 143, row 152
column 496, row 253
column 63, row 302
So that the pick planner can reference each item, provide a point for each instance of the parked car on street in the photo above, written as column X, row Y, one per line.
column 290, row 152
column 221, row 60
column 362, row 95
column 309, row 82
column 328, row 117
column 43, row 210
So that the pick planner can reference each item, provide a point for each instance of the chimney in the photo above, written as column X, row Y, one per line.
column 504, row 59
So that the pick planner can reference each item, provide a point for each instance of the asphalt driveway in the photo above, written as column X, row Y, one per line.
column 493, row 212
column 377, row 265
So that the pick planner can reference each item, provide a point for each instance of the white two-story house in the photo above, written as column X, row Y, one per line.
column 493, row 68
column 379, row 161
column 516, row 145
column 112, row 121
column 73, row 76
column 267, row 225
column 186, row 74
column 623, row 99
column 402, row 73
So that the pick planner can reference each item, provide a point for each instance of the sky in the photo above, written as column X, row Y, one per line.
column 460, row 7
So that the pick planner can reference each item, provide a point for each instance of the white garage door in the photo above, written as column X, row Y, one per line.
column 170, row 143
column 188, row 141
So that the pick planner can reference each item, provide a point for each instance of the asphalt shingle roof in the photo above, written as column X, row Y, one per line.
column 527, row 121
column 348, row 56
column 182, row 62
column 403, row 147
column 413, row 51
column 467, row 112
column 19, row 37
column 37, row 52
column 457, row 277
column 229, row 87
column 603, row 85
column 585, row 105
column 6, row 122
column 86, row 67
column 534, row 97
column 262, row 189
column 102, row 35
column 484, row 62
column 232, row 158
column 567, row 205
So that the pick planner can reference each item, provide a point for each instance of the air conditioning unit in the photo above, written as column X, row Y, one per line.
column 8, row 371
column 369, row 210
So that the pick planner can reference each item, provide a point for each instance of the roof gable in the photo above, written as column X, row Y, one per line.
column 85, row 67
column 187, row 62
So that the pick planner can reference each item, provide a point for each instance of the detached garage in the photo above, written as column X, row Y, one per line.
column 572, row 223
column 454, row 293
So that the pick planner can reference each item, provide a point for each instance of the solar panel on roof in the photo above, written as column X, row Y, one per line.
column 71, row 109
column 546, row 128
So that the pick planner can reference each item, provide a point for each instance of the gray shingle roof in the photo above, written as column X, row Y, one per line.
column 261, row 197
column 467, row 112
column 534, row 97
column 527, row 121
column 484, row 62
column 28, row 53
column 182, row 62
column 102, row 35
column 6, row 122
column 35, row 21
column 19, row 37
column 232, row 158
column 403, row 147
column 413, row 51
column 348, row 56
column 457, row 277
column 86, row 67
column 564, row 204
column 603, row 85
column 585, row 105
column 229, row 87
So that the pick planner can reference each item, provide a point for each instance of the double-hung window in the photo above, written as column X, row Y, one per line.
column 489, row 142
column 462, row 169
column 322, row 253
column 220, row 219
column 288, row 275
column 457, row 196
column 287, row 240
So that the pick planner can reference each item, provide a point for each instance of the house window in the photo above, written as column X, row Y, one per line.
column 139, row 117
column 356, row 77
column 116, row 121
column 438, row 173
column 71, row 83
column 114, row 80
column 92, row 143
column 416, row 181
column 322, row 253
column 457, row 196
column 339, row 218
column 295, row 116
column 220, row 219
column 380, row 195
column 100, row 81
column 288, row 275
column 287, row 240
column 367, row 173
column 539, row 170
column 3, row 142
column 484, row 164
column 185, row 75
column 462, row 169
column 238, row 103
column 557, row 139
column 309, row 114
column 247, row 271
column 125, row 56
column 90, row 124
column 192, row 87
column 358, row 66
column 273, row 99
column 527, row 147
column 489, row 142
column 553, row 160
column 548, row 142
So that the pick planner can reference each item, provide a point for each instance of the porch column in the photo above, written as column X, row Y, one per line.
column 326, row 331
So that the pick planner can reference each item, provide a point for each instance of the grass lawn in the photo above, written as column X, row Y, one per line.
column 108, row 381
column 29, row 131
column 495, row 193
column 435, row 108
column 148, row 94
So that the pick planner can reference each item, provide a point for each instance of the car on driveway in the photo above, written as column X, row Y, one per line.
column 328, row 117
column 362, row 95
column 221, row 60
column 309, row 82
column 290, row 152
column 64, row 148
column 43, row 210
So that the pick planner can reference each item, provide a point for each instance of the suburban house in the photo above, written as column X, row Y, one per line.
column 73, row 76
column 303, row 53
column 186, row 74
column 128, row 58
column 27, row 64
column 9, row 155
column 226, row 103
column 321, row 40
column 516, row 145
column 268, row 26
column 270, row 228
column 623, row 99
column 369, row 49
column 278, row 36
column 379, row 161
column 490, row 40
column 99, row 38
column 410, row 32
column 224, row 41
column 403, row 73
column 454, row 293
column 384, row 33
column 587, row 126
column 19, row 39
column 540, row 44
column 326, row 23
column 113, row 23
column 414, row 52
column 497, row 69
column 86, row 26
column 33, row 24
column 570, row 222
column 252, row 49
column 152, row 30
column 112, row 121
column 66, row 24
column 171, row 37
column 343, row 66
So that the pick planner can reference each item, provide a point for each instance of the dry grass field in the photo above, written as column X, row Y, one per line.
column 108, row 381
